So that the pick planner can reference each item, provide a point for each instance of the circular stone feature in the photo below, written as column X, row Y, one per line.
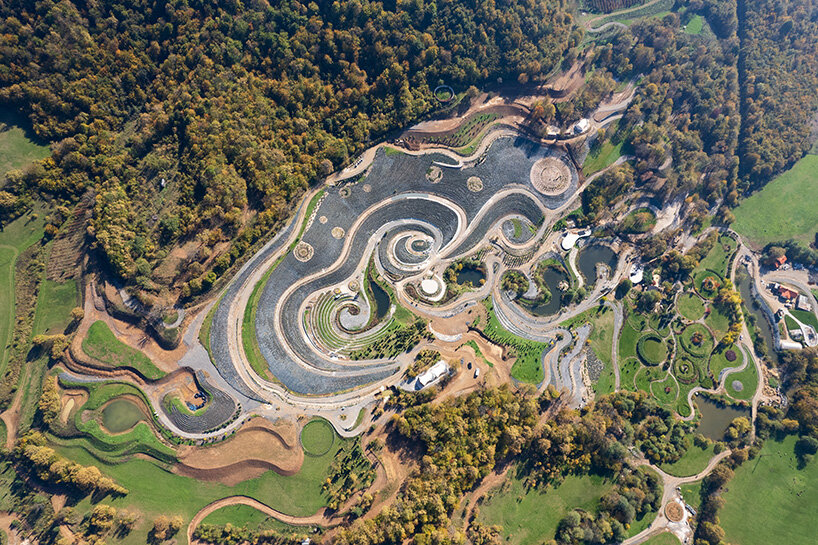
column 303, row 252
column 322, row 219
column 367, row 188
column 434, row 174
column 674, row 512
column 337, row 232
column 737, row 385
column 550, row 176
column 429, row 286
column 345, row 192
column 475, row 184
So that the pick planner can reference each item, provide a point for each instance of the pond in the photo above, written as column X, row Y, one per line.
column 551, row 278
column 743, row 281
column 121, row 415
column 470, row 274
column 715, row 418
column 382, row 302
column 588, row 258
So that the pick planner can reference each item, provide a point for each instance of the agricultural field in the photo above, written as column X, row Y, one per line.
column 784, row 209
column 787, row 514
column 101, row 343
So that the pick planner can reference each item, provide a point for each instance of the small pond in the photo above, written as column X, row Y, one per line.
column 121, row 415
column 588, row 258
column 551, row 278
column 470, row 274
column 382, row 302
column 743, row 281
column 715, row 418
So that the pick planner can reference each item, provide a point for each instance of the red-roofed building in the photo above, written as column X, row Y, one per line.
column 780, row 261
column 787, row 294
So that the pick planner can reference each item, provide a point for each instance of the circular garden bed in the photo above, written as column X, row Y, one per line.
column 697, row 340
column 317, row 437
column 708, row 283
column 651, row 349
column 685, row 371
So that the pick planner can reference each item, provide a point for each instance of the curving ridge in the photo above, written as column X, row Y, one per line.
column 392, row 201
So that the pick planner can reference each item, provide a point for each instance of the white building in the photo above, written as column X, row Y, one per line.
column 803, row 303
column 432, row 374
column 582, row 126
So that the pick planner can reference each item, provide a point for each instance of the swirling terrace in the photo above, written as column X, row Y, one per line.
column 411, row 215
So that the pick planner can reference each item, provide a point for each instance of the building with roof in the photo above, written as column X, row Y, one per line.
column 803, row 303
column 431, row 375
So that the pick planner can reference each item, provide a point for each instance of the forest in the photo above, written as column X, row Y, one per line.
column 195, row 121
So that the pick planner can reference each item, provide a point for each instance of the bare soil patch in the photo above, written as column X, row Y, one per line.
column 257, row 446
column 674, row 512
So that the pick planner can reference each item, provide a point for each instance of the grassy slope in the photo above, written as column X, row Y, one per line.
column 665, row 538
column 787, row 512
column 244, row 515
column 155, row 490
column 696, row 25
column 14, row 238
column 530, row 516
column 693, row 461
column 16, row 149
column 783, row 209
column 102, row 344
column 54, row 304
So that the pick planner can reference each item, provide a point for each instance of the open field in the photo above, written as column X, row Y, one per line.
column 787, row 512
column 665, row 538
column 17, row 148
column 54, row 305
column 692, row 462
column 604, row 154
column 784, row 209
column 530, row 516
column 102, row 344
column 695, row 26
column 244, row 516
column 690, row 306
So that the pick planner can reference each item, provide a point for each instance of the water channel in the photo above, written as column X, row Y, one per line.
column 743, row 281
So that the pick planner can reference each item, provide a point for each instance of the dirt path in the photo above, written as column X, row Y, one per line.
column 5, row 525
column 318, row 519
column 589, row 25
column 11, row 416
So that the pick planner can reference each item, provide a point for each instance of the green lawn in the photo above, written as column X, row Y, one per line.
column 317, row 437
column 244, row 516
column 719, row 362
column 627, row 340
column 627, row 371
column 691, row 492
column 784, row 209
column 604, row 155
column 531, row 516
column 14, row 238
column 528, row 365
column 665, row 538
column 695, row 25
column 717, row 259
column 690, row 306
column 692, row 462
column 806, row 317
column 770, row 500
column 54, row 304
column 718, row 322
column 102, row 344
column 154, row 490
column 16, row 148
column 748, row 379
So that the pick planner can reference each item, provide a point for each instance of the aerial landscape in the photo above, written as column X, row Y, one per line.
column 421, row 272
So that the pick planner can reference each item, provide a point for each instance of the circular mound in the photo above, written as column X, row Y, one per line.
column 367, row 188
column 337, row 232
column 434, row 174
column 475, row 184
column 651, row 349
column 730, row 356
column 707, row 283
column 317, row 437
column 303, row 252
column 345, row 192
column 685, row 372
column 674, row 512
column 737, row 385
column 697, row 340
column 322, row 220
column 550, row 176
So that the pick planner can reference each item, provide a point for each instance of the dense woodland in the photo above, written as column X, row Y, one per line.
column 194, row 120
